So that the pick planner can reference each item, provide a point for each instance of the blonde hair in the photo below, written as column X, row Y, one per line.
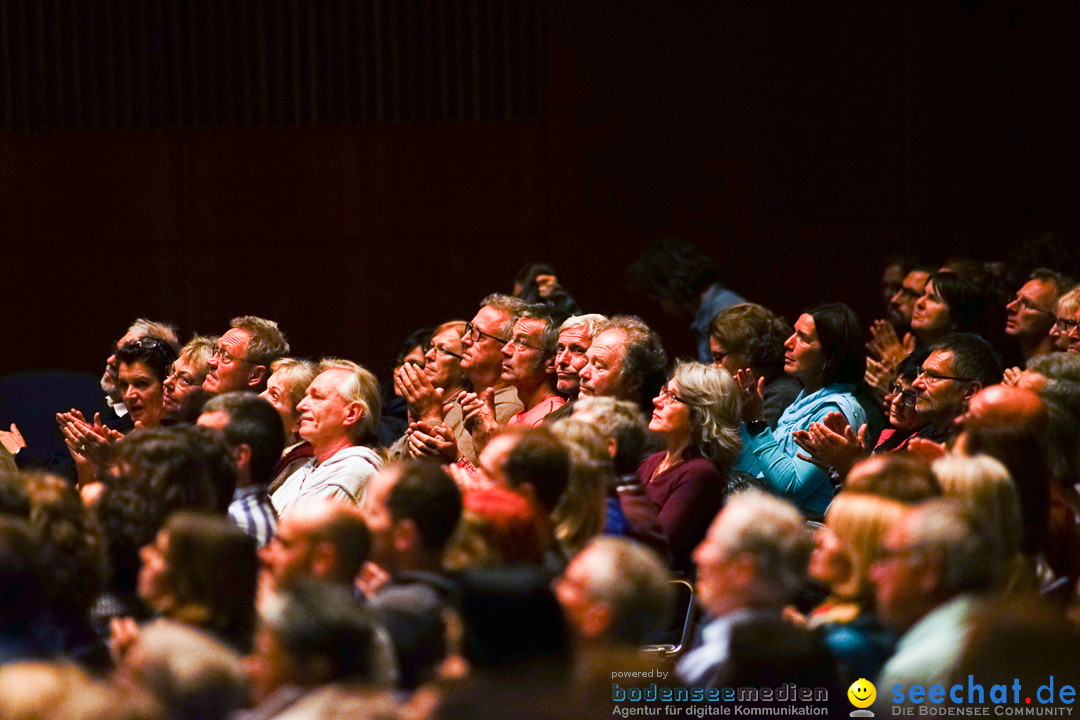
column 984, row 487
column 362, row 387
column 297, row 373
column 1068, row 303
column 860, row 521
column 198, row 351
column 579, row 515
column 713, row 398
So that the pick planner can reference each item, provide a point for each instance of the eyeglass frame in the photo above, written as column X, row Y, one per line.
column 935, row 377
column 667, row 395
column 471, row 332
column 1066, row 325
column 223, row 354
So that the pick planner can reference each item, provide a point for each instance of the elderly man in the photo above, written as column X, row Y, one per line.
column 412, row 509
column 242, row 358
column 615, row 593
column 936, row 560
column 317, row 654
column 749, row 565
column 338, row 416
column 1031, row 314
column 575, row 336
column 529, row 365
column 625, row 361
column 469, row 421
column 958, row 366
column 253, row 430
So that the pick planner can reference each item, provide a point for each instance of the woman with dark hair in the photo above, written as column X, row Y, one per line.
column 144, row 365
column 749, row 336
column 826, row 355
column 201, row 570
column 949, row 303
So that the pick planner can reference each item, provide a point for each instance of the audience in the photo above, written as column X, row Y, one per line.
column 456, row 580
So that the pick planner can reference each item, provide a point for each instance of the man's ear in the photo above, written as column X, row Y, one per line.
column 242, row 455
column 596, row 620
column 353, row 412
column 405, row 535
column 549, row 364
column 972, row 390
column 257, row 375
column 324, row 560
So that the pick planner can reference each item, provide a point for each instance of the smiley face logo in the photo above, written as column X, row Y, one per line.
column 862, row 693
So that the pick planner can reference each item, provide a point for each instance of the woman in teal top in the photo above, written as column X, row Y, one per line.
column 826, row 355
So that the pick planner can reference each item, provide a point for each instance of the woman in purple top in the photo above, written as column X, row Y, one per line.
column 697, row 414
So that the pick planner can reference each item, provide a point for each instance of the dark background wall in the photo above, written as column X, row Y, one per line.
column 357, row 170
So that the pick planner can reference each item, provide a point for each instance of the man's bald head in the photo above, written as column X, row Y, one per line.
column 1005, row 404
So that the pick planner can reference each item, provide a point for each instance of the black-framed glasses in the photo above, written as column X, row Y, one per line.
column 474, row 334
column 441, row 350
column 667, row 395
column 1066, row 325
column 932, row 376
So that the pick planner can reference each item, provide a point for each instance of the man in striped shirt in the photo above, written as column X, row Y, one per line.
column 253, row 431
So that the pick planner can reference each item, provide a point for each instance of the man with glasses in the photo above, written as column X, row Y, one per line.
column 935, row 562
column 529, row 365
column 471, row 419
column 241, row 360
column 1031, row 314
column 956, row 369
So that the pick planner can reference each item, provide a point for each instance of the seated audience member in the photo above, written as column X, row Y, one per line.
column 623, row 426
column 200, row 570
column 1066, row 322
column 750, row 337
column 684, row 280
column 580, row 513
column 893, row 272
column 288, row 383
column 834, row 445
column 183, row 391
column 845, row 548
column 322, row 539
column 625, row 361
column 316, row 655
column 697, row 415
column 749, row 565
column 1015, row 640
column 615, row 593
column 252, row 429
column 1031, row 313
column 1012, row 425
column 902, row 476
column 534, row 464
column 412, row 510
column 144, row 365
column 498, row 528
column 178, row 468
column 191, row 674
column 1041, row 369
column 984, row 488
column 71, row 551
column 395, row 415
column 516, row 646
column 116, row 414
column 950, row 303
column 339, row 413
column 22, row 593
column 469, row 420
column 886, row 347
column 575, row 336
column 825, row 354
column 529, row 365
column 936, row 563
column 242, row 358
